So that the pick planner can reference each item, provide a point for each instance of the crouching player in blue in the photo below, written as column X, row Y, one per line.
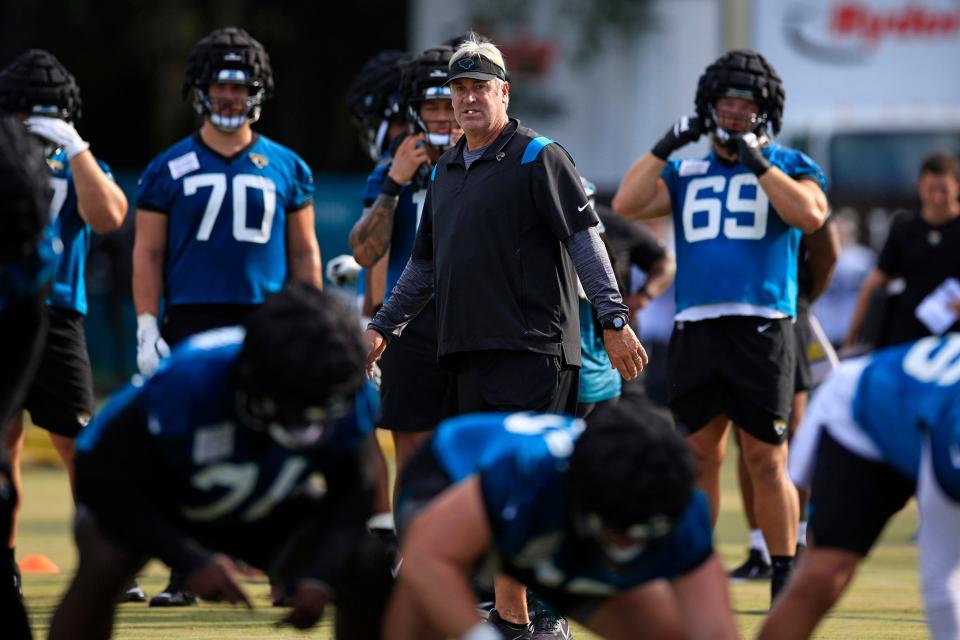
column 602, row 523
column 882, row 429
column 249, row 444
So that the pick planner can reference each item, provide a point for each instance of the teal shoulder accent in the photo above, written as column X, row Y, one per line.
column 534, row 147
column 433, row 174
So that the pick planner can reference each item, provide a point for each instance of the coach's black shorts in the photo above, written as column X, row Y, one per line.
column 184, row 320
column 741, row 366
column 851, row 499
column 803, row 380
column 511, row 381
column 60, row 398
column 415, row 391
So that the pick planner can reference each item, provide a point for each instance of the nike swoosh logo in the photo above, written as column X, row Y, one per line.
column 395, row 571
column 764, row 327
column 583, row 207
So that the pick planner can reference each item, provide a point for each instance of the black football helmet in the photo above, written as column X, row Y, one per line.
column 228, row 55
column 741, row 73
column 423, row 79
column 35, row 82
column 373, row 100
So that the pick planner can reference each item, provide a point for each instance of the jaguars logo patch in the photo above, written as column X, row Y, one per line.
column 780, row 426
column 258, row 160
column 54, row 164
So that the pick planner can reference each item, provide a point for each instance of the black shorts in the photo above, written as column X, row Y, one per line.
column 741, row 366
column 512, row 381
column 851, row 499
column 415, row 392
column 184, row 320
column 803, row 381
column 60, row 399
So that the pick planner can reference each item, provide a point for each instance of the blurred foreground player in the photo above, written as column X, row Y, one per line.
column 220, row 455
column 880, row 430
column 27, row 262
column 604, row 527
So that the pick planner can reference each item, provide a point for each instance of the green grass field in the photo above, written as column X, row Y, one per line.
column 883, row 603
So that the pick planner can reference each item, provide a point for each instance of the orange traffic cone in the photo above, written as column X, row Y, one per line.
column 38, row 563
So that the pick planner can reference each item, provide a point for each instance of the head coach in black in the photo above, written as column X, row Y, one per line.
column 500, row 208
column 505, row 230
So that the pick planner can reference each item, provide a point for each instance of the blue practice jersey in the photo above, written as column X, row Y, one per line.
column 907, row 393
column 732, row 247
column 521, row 459
column 406, row 219
column 219, row 472
column 69, row 289
column 227, row 218
column 26, row 277
column 598, row 380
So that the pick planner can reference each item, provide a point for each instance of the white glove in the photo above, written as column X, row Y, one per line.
column 150, row 346
column 343, row 270
column 59, row 132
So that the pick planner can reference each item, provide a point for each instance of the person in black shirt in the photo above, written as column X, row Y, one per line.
column 504, row 223
column 921, row 250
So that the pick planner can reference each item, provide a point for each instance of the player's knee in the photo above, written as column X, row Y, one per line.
column 766, row 465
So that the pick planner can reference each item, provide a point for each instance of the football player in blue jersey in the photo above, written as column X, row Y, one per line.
column 37, row 88
column 881, row 429
column 739, row 214
column 602, row 523
column 247, row 443
column 224, row 216
column 414, row 388
column 28, row 259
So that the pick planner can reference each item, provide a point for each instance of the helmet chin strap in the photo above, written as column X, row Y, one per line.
column 728, row 139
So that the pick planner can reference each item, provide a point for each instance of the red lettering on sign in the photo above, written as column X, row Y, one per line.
column 854, row 20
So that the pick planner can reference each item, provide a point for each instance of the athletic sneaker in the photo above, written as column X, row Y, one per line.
column 509, row 630
column 175, row 594
column 133, row 593
column 549, row 626
column 755, row 568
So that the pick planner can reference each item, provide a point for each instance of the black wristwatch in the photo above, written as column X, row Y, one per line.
column 616, row 322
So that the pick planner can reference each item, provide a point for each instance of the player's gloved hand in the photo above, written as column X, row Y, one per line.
column 309, row 601
column 214, row 581
column 684, row 131
column 59, row 132
column 150, row 346
column 343, row 270
column 750, row 153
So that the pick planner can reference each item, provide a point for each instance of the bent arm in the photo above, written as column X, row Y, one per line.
column 874, row 281
column 409, row 297
column 800, row 203
column 443, row 545
column 101, row 203
column 149, row 249
column 704, row 599
column 303, row 251
column 823, row 250
column 642, row 193
column 370, row 236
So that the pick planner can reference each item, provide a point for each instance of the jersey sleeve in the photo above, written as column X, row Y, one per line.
column 375, row 183
column 106, row 169
column 558, row 192
column 690, row 543
column 155, row 190
column 800, row 165
column 301, row 193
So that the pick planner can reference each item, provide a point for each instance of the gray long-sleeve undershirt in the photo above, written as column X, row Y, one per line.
column 595, row 272
column 415, row 286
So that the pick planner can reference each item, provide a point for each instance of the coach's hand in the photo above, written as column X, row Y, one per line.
column 376, row 343
column 684, row 131
column 626, row 353
column 309, row 601
column 214, row 581
column 150, row 346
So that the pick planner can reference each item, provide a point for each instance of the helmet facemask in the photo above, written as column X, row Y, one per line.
column 204, row 105
column 441, row 141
